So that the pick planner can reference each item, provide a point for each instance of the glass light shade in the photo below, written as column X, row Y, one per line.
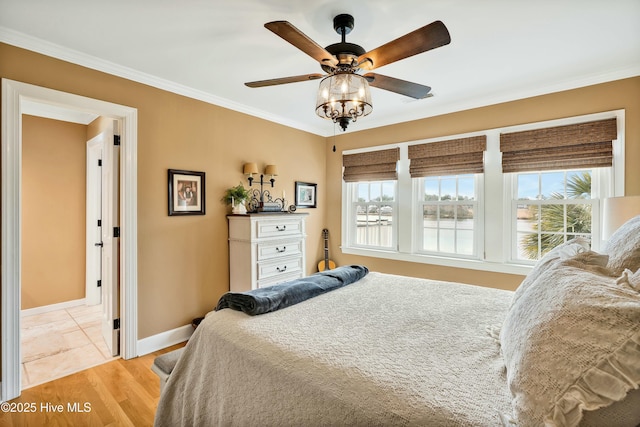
column 342, row 97
column 271, row 170
column 250, row 168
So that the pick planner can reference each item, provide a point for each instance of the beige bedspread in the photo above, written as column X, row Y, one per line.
column 387, row 350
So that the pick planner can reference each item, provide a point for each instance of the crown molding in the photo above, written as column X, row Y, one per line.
column 25, row 41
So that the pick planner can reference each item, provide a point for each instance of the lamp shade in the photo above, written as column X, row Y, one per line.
column 271, row 170
column 250, row 168
column 343, row 97
column 617, row 211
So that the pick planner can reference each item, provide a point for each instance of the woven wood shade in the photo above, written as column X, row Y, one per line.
column 563, row 147
column 452, row 157
column 371, row 166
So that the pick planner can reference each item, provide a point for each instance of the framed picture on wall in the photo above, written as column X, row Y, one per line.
column 305, row 194
column 186, row 192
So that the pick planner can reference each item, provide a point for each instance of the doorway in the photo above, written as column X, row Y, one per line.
column 14, row 96
column 61, row 294
column 60, row 317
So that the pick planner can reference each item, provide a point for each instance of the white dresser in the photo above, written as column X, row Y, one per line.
column 265, row 249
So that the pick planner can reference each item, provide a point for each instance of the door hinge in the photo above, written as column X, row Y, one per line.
column 116, row 323
column 116, row 140
column 99, row 162
column 99, row 283
column 99, row 223
column 116, row 231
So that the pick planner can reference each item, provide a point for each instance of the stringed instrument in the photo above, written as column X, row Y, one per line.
column 326, row 263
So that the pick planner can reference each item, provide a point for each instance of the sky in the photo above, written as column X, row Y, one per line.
column 529, row 186
column 545, row 184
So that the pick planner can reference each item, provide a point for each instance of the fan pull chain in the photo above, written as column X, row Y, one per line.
column 334, row 137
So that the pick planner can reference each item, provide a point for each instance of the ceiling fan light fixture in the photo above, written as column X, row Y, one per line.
column 343, row 97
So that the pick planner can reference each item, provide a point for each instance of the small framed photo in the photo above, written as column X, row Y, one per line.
column 186, row 192
column 305, row 194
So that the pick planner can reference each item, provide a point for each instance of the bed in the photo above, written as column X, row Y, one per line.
column 389, row 350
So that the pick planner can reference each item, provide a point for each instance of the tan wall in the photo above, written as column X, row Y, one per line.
column 622, row 94
column 183, row 261
column 98, row 125
column 53, row 211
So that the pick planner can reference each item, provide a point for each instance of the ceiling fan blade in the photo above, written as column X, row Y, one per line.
column 421, row 40
column 403, row 87
column 297, row 38
column 284, row 80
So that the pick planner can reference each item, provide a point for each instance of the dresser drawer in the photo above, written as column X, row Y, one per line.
column 279, row 279
column 279, row 249
column 279, row 267
column 280, row 228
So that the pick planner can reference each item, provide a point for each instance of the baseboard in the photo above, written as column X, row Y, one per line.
column 164, row 339
column 52, row 307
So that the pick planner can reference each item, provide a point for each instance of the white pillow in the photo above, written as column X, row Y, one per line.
column 630, row 278
column 570, row 347
column 623, row 247
column 563, row 251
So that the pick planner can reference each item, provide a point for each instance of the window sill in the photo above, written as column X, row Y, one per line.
column 471, row 264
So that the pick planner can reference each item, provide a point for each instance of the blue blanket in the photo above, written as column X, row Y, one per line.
column 272, row 298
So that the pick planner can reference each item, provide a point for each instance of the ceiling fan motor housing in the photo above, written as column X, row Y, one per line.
column 346, row 53
column 343, row 24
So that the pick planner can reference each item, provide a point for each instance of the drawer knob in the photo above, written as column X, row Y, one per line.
column 284, row 248
column 281, row 270
column 283, row 228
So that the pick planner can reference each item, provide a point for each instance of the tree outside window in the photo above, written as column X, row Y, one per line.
column 553, row 217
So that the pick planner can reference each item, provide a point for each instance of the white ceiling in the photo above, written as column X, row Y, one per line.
column 500, row 50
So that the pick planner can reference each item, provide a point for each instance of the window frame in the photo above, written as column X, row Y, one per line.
column 354, row 203
column 494, row 197
column 541, row 203
column 478, row 219
column 600, row 177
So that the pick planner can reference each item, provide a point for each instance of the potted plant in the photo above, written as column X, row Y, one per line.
column 236, row 198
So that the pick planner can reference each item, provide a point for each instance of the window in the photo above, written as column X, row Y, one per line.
column 373, row 219
column 550, row 208
column 371, row 203
column 552, row 169
column 496, row 200
column 447, row 214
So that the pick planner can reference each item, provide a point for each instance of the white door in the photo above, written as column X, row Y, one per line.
column 110, row 241
column 93, row 292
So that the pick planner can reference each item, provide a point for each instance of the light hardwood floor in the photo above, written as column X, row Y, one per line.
column 117, row 393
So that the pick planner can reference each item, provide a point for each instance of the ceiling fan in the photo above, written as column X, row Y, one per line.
column 344, row 95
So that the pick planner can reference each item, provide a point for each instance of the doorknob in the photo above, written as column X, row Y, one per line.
column 99, row 244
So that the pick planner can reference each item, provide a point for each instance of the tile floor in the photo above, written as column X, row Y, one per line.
column 61, row 342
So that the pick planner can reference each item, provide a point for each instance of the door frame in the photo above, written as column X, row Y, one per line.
column 14, row 93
